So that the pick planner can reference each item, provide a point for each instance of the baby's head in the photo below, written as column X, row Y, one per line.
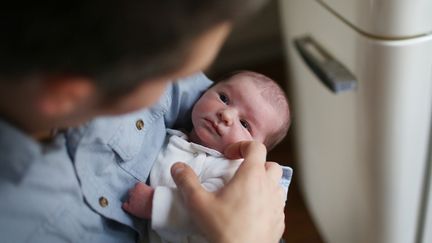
column 244, row 106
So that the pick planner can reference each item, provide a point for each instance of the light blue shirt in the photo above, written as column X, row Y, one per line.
column 72, row 189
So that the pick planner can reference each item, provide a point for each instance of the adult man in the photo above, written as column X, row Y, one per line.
column 63, row 64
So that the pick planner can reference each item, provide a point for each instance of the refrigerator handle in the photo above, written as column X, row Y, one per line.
column 330, row 71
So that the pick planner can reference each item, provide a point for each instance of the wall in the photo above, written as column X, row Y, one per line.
column 253, row 42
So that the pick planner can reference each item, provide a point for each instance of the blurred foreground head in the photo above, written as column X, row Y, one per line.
column 116, row 44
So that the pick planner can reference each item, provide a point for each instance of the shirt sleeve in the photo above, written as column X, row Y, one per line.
column 286, row 179
column 184, row 93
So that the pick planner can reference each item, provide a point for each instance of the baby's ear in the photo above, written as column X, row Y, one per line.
column 62, row 95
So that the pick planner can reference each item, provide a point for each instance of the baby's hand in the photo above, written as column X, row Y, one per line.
column 140, row 201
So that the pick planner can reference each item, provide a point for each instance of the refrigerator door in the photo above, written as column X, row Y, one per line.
column 385, row 18
column 362, row 154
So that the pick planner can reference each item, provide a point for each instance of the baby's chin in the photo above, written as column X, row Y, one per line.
column 210, row 143
column 203, row 137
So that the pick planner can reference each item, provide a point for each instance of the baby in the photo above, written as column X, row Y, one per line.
column 244, row 106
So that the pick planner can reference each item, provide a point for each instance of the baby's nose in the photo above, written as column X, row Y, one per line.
column 227, row 116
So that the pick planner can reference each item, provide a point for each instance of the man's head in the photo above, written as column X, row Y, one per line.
column 244, row 106
column 104, row 51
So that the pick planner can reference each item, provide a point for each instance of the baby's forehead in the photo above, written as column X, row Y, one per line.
column 239, row 80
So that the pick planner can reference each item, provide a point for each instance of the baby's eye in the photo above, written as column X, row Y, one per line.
column 224, row 98
column 245, row 124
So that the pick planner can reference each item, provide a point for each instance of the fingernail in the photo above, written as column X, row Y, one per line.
column 177, row 168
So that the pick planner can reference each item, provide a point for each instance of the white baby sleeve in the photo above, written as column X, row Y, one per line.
column 170, row 218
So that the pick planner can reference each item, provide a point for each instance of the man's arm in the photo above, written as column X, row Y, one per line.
column 184, row 93
column 248, row 209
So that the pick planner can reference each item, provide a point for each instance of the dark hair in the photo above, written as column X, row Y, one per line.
column 275, row 95
column 117, row 43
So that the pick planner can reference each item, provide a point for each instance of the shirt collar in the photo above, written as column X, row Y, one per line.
column 197, row 147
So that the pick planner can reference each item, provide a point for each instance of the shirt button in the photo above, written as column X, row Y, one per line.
column 139, row 124
column 103, row 202
column 196, row 154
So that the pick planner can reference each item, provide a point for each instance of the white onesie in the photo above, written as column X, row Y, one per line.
column 170, row 219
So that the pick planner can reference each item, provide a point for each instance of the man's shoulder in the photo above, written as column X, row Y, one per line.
column 18, row 151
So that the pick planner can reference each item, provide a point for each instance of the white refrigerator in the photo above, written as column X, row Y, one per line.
column 360, row 83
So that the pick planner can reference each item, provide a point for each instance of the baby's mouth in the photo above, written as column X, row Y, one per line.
column 214, row 126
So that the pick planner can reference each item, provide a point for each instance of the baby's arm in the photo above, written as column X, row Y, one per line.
column 140, row 200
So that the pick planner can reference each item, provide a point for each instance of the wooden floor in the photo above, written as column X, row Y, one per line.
column 299, row 225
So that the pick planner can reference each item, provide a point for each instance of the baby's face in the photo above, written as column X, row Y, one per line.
column 233, row 111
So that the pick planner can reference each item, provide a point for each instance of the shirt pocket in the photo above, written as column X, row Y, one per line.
column 132, row 133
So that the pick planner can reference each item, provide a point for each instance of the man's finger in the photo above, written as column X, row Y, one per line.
column 187, row 182
column 274, row 171
column 251, row 151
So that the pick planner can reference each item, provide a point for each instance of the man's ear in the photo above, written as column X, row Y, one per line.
column 63, row 95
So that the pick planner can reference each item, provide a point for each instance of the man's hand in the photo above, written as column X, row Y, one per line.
column 139, row 202
column 248, row 209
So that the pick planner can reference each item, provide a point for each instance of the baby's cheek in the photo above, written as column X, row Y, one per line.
column 237, row 137
column 245, row 135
